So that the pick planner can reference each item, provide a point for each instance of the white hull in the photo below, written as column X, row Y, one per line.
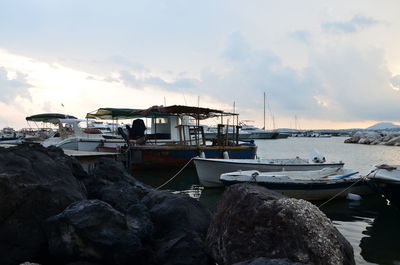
column 209, row 170
column 308, row 185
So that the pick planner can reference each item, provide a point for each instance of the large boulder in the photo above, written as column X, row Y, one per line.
column 252, row 222
column 35, row 183
column 180, row 228
column 92, row 230
column 111, row 183
column 265, row 261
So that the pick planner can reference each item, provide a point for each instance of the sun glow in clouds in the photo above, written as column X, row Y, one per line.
column 55, row 88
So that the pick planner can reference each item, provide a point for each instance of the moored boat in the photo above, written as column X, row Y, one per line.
column 385, row 180
column 209, row 170
column 320, row 184
column 174, row 139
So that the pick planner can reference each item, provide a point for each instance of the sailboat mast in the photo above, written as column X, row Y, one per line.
column 264, row 112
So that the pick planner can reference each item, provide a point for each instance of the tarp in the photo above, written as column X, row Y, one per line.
column 157, row 112
column 49, row 117
column 112, row 114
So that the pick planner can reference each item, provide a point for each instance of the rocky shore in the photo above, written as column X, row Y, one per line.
column 372, row 137
column 53, row 212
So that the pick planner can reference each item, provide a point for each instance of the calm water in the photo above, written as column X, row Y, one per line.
column 370, row 225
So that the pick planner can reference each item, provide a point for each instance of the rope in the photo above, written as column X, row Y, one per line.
column 168, row 181
column 362, row 178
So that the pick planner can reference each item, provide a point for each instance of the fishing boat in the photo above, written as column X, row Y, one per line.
column 209, row 169
column 320, row 184
column 175, row 136
column 385, row 180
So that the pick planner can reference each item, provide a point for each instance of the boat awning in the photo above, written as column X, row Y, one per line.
column 112, row 114
column 49, row 117
column 157, row 112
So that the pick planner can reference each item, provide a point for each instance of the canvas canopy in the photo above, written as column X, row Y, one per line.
column 112, row 114
column 49, row 117
column 157, row 112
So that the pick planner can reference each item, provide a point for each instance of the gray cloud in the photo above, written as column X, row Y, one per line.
column 341, row 83
column 395, row 81
column 132, row 80
column 300, row 35
column 11, row 88
column 357, row 23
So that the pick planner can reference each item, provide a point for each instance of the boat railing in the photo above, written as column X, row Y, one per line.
column 191, row 135
column 226, row 134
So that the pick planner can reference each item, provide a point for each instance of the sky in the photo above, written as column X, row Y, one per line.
column 322, row 64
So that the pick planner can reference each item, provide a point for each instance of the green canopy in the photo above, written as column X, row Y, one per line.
column 49, row 117
column 112, row 114
column 156, row 112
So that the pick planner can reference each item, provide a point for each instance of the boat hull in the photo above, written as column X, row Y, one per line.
column 314, row 191
column 209, row 171
column 148, row 157
column 390, row 189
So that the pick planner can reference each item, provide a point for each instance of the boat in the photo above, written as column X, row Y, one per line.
column 211, row 132
column 385, row 179
column 69, row 135
column 209, row 170
column 320, row 184
column 8, row 133
column 175, row 136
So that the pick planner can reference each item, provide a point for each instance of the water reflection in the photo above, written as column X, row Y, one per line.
column 381, row 241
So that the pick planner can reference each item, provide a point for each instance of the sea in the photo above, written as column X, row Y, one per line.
column 370, row 223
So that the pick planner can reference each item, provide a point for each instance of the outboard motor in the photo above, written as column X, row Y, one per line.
column 316, row 157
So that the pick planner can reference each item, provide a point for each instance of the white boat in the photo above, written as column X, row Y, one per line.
column 385, row 180
column 320, row 184
column 209, row 169
column 72, row 137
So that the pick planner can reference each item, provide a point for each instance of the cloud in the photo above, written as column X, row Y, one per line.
column 300, row 35
column 395, row 82
column 11, row 88
column 357, row 23
column 340, row 83
column 136, row 81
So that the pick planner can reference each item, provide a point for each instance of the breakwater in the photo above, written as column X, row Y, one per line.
column 375, row 138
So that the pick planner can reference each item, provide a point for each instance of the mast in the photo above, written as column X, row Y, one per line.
column 264, row 112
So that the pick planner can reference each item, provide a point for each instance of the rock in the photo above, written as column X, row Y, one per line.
column 93, row 231
column 393, row 141
column 181, row 225
column 252, row 222
column 35, row 183
column 110, row 182
column 265, row 261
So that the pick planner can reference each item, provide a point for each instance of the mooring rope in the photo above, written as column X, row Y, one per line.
column 174, row 176
column 361, row 179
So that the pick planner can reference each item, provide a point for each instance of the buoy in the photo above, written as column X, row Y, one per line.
column 202, row 155
column 353, row 197
column 225, row 155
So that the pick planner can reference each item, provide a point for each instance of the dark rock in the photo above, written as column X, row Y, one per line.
column 265, row 261
column 93, row 231
column 83, row 263
column 110, row 182
column 252, row 222
column 180, row 224
column 35, row 183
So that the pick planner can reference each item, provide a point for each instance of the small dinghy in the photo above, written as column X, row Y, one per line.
column 385, row 180
column 309, row 185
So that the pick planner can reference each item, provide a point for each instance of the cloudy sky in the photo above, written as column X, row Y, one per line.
column 326, row 64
